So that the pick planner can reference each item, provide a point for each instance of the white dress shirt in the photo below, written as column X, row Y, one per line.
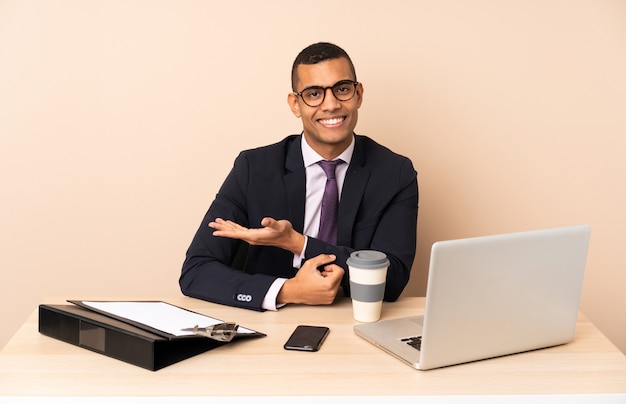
column 315, row 183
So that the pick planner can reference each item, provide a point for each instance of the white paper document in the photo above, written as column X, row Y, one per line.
column 161, row 316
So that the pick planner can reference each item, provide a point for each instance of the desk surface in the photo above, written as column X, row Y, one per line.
column 32, row 364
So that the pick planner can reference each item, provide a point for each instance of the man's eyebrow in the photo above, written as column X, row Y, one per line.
column 320, row 86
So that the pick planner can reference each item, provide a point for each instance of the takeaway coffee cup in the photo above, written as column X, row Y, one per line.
column 368, row 272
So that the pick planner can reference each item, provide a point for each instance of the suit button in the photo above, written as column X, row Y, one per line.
column 244, row 298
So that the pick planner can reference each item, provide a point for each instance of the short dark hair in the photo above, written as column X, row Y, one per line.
column 316, row 53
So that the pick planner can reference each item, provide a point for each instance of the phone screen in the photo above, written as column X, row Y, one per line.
column 307, row 338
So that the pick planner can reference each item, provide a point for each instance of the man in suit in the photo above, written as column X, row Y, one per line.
column 262, row 243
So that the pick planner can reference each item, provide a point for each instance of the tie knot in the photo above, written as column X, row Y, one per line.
column 329, row 167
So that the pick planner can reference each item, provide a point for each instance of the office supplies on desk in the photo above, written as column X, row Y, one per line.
column 146, row 334
column 224, row 332
column 491, row 296
column 156, row 316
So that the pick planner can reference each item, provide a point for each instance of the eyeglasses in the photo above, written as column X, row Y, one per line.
column 314, row 96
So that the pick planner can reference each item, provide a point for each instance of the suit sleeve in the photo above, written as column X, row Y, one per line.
column 208, row 271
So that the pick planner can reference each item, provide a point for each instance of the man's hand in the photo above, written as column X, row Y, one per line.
column 275, row 233
column 312, row 286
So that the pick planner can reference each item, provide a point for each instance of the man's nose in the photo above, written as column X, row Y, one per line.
column 330, row 101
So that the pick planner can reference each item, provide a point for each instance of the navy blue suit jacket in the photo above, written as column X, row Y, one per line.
column 377, row 211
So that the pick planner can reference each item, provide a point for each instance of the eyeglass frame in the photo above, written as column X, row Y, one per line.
column 323, row 90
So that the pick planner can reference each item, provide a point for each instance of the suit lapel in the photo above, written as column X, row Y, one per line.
column 295, row 184
column 352, row 193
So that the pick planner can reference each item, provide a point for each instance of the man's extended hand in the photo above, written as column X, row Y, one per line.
column 312, row 286
column 275, row 233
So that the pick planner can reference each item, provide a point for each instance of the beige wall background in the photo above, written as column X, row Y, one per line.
column 120, row 119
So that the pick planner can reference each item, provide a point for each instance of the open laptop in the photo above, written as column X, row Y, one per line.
column 491, row 296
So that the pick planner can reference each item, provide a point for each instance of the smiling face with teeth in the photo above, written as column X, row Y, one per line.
column 327, row 128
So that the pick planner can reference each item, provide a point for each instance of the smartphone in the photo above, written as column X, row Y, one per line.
column 307, row 338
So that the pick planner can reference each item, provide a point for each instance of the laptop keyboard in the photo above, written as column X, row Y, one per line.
column 415, row 342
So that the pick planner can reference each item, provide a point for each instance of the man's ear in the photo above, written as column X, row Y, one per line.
column 292, row 100
column 359, row 94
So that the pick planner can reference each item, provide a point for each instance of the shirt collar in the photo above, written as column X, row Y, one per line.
column 311, row 157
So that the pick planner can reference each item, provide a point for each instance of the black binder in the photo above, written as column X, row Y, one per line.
column 121, row 340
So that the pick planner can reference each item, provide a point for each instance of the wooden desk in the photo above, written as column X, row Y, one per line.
column 32, row 364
